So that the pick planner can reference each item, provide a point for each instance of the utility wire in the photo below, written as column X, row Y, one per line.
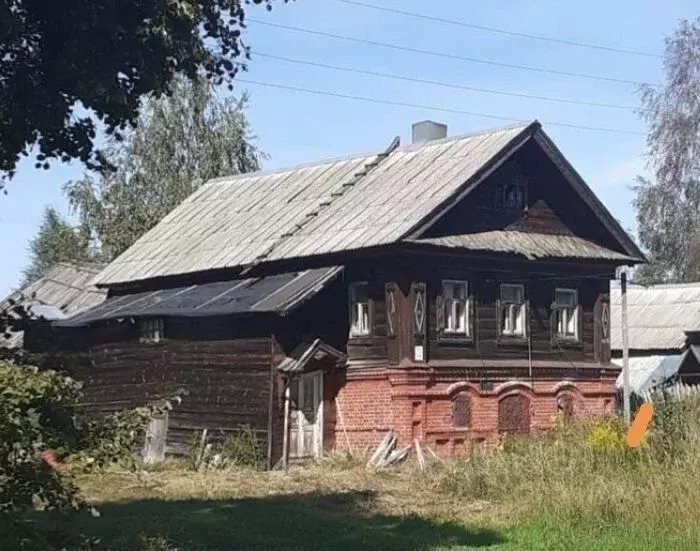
column 500, row 31
column 437, row 82
column 445, row 55
column 429, row 107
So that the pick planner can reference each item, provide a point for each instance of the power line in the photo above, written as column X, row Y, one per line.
column 437, row 82
column 501, row 31
column 445, row 55
column 430, row 107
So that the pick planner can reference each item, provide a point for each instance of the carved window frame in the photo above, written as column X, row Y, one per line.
column 512, row 337
column 354, row 303
column 558, row 310
column 444, row 334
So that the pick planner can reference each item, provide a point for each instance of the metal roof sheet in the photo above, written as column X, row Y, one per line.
column 278, row 293
column 65, row 290
column 646, row 372
column 347, row 204
column 527, row 244
column 658, row 315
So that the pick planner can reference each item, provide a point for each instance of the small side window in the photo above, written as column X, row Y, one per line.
column 152, row 330
column 566, row 314
column 359, row 310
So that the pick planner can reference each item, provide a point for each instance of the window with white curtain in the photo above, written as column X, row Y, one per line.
column 359, row 310
column 566, row 313
column 513, row 310
column 455, row 303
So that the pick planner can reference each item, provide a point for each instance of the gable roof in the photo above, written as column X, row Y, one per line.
column 334, row 206
column 657, row 316
column 65, row 290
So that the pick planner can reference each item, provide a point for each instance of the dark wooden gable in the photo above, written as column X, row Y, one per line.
column 528, row 192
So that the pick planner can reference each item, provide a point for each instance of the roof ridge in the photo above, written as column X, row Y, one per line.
column 357, row 177
column 466, row 135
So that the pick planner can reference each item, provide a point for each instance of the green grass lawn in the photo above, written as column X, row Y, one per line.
column 343, row 511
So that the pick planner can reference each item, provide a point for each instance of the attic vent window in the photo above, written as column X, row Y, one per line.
column 152, row 330
column 511, row 196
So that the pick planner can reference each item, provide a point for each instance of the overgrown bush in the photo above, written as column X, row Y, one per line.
column 585, row 471
column 43, row 442
column 37, row 412
column 240, row 450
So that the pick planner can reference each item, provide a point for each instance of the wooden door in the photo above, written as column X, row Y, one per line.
column 306, row 415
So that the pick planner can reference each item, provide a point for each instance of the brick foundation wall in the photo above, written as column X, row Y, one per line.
column 414, row 405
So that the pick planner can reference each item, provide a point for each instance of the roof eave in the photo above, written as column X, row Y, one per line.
column 586, row 193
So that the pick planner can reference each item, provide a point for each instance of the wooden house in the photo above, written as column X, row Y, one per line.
column 451, row 290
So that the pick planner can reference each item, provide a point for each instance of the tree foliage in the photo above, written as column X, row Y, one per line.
column 57, row 241
column 668, row 206
column 66, row 64
column 181, row 141
column 44, row 442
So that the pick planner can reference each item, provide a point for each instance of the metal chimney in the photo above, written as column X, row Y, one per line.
column 426, row 131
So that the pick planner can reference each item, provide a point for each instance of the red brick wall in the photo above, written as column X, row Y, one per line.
column 415, row 406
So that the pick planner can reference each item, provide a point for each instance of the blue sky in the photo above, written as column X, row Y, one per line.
column 295, row 127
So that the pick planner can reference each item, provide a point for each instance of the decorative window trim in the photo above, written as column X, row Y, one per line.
column 444, row 333
column 356, row 325
column 517, row 338
column 151, row 330
column 565, row 339
column 390, row 290
column 419, row 321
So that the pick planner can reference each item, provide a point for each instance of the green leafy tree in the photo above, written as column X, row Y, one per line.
column 59, row 57
column 181, row 141
column 57, row 241
column 668, row 205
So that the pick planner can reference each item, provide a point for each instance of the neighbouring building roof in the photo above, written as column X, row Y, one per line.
column 335, row 206
column 530, row 245
column 278, row 293
column 64, row 291
column 647, row 372
column 657, row 316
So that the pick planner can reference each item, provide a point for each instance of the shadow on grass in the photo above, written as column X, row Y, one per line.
column 298, row 521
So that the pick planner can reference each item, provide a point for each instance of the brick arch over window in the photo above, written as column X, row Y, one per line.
column 514, row 414
column 461, row 410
